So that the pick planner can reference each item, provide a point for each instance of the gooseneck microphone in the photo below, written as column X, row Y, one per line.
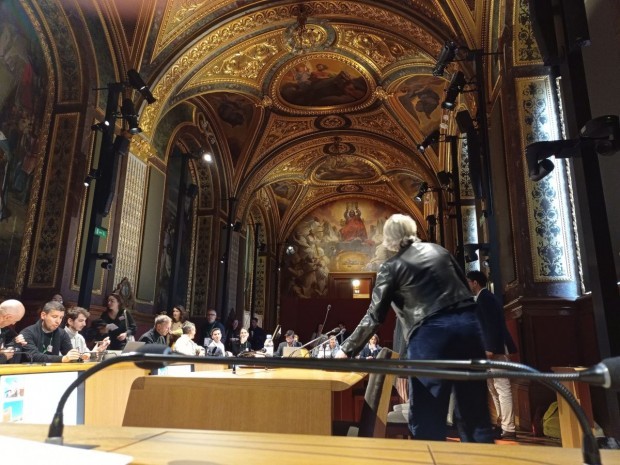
column 606, row 374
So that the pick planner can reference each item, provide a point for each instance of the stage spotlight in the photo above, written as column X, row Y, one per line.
column 428, row 140
column 423, row 189
column 128, row 112
column 100, row 126
column 457, row 83
column 290, row 250
column 470, row 251
column 137, row 83
column 537, row 156
column 206, row 156
column 237, row 226
column 446, row 56
column 445, row 179
column 605, row 132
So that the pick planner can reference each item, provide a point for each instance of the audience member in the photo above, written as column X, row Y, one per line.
column 232, row 334
column 46, row 341
column 157, row 334
column 290, row 342
column 76, row 321
column 179, row 317
column 185, row 344
column 435, row 306
column 371, row 350
column 11, row 311
column 343, row 334
column 58, row 298
column 243, row 343
column 257, row 335
column 328, row 349
column 211, row 324
column 497, row 344
column 119, row 322
column 216, row 347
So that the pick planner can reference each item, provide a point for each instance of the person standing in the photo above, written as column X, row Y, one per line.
column 498, row 344
column 433, row 303
column 119, row 322
column 257, row 335
column 45, row 341
column 209, row 326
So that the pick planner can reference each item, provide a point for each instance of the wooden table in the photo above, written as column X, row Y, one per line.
column 282, row 400
column 158, row 446
column 105, row 393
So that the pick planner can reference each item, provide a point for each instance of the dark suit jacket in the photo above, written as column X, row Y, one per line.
column 493, row 324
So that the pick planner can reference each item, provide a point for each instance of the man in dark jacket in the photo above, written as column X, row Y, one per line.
column 46, row 341
column 157, row 334
column 497, row 344
column 289, row 342
column 429, row 293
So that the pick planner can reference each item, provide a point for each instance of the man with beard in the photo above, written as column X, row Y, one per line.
column 45, row 341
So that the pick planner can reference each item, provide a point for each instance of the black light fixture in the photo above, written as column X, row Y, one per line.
column 470, row 251
column 236, row 226
column 138, row 83
column 423, row 189
column 128, row 112
column 602, row 135
column 90, row 177
column 102, row 126
column 445, row 179
column 107, row 262
column 446, row 56
column 457, row 83
column 428, row 140
column 290, row 250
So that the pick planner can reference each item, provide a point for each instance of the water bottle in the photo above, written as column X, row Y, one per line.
column 268, row 346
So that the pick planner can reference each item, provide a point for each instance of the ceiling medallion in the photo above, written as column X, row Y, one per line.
column 333, row 122
column 305, row 35
column 348, row 188
column 338, row 147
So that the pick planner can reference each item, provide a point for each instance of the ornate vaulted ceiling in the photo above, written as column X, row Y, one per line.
column 296, row 130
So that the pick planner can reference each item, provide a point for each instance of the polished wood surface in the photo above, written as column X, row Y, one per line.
column 251, row 399
column 159, row 446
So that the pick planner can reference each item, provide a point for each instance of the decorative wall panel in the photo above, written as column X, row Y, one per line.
column 547, row 209
column 128, row 251
column 525, row 50
column 203, row 259
column 53, row 204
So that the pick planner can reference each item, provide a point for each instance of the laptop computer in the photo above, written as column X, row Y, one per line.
column 132, row 346
column 294, row 352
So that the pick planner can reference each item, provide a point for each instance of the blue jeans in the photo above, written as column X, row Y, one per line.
column 448, row 336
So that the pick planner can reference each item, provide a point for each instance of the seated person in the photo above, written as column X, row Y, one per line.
column 185, row 344
column 290, row 342
column 11, row 311
column 328, row 349
column 76, row 320
column 216, row 346
column 243, row 343
column 371, row 350
column 157, row 334
column 46, row 341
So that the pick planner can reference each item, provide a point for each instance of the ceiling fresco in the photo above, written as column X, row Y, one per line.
column 307, row 103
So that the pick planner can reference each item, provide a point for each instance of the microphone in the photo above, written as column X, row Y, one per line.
column 605, row 374
column 329, row 307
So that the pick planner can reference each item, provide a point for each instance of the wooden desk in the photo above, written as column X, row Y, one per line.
column 158, row 446
column 283, row 400
column 105, row 393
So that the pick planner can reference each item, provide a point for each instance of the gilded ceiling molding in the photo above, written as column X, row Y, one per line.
column 142, row 148
column 281, row 129
column 381, row 122
column 200, row 52
column 547, row 209
column 525, row 49
column 379, row 50
column 246, row 63
column 179, row 16
column 65, row 49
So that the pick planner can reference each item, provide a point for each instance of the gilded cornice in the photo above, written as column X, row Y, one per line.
column 200, row 52
column 142, row 148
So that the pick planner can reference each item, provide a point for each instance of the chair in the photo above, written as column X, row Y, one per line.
column 377, row 397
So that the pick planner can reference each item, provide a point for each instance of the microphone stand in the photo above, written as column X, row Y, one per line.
column 160, row 355
column 321, row 336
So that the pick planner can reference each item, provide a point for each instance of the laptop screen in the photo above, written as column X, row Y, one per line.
column 132, row 346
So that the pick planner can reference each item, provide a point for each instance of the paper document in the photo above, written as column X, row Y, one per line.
column 40, row 452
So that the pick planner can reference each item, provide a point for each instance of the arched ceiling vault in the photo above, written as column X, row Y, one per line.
column 340, row 120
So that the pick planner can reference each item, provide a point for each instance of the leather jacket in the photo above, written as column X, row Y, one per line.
column 421, row 280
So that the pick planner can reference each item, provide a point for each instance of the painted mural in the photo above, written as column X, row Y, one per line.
column 23, row 79
column 323, row 82
column 283, row 192
column 236, row 113
column 351, row 168
column 342, row 236
column 421, row 96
